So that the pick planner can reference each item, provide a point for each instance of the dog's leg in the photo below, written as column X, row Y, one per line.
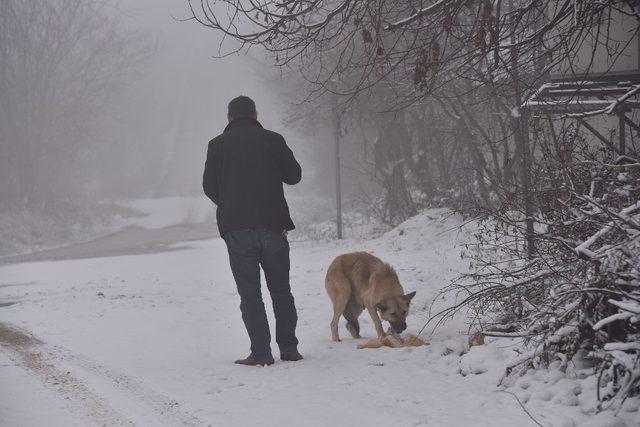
column 354, row 329
column 339, row 290
column 351, row 314
column 340, row 300
column 338, row 308
column 376, row 321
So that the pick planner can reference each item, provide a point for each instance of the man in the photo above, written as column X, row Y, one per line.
column 243, row 175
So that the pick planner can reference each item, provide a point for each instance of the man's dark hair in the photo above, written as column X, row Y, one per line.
column 242, row 106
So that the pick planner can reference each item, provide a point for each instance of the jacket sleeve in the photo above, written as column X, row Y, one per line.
column 289, row 166
column 210, row 176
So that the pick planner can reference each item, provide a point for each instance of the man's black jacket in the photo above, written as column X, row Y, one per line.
column 246, row 166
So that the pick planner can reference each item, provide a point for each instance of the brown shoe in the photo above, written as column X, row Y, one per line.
column 290, row 356
column 252, row 361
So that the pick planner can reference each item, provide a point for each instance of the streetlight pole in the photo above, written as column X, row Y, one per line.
column 336, row 136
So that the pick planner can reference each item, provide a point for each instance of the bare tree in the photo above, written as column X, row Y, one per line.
column 61, row 63
column 472, row 58
column 425, row 43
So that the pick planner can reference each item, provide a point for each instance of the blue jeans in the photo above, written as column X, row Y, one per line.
column 248, row 250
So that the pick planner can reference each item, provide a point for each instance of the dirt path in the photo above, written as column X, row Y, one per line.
column 130, row 241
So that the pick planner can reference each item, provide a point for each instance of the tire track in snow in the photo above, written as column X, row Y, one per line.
column 26, row 351
column 163, row 406
column 42, row 360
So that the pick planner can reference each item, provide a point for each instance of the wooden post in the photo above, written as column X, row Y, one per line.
column 623, row 137
column 522, row 140
column 528, row 202
column 522, row 136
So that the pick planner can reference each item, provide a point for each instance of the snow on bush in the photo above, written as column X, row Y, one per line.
column 575, row 299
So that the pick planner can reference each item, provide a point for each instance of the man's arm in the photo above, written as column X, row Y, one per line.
column 210, row 177
column 291, row 170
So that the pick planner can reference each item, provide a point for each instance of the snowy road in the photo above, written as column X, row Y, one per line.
column 150, row 339
column 131, row 240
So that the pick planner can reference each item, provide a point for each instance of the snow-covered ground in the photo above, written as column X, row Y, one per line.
column 150, row 340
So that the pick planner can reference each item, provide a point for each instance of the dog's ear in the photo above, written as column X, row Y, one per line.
column 410, row 296
column 381, row 306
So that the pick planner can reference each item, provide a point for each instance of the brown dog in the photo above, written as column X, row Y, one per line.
column 359, row 280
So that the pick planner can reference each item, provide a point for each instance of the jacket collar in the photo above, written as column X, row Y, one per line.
column 242, row 121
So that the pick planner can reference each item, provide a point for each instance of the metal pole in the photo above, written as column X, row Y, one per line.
column 336, row 136
column 623, row 138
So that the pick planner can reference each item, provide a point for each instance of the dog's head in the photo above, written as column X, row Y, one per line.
column 394, row 310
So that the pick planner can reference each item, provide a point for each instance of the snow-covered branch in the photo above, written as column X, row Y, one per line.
column 435, row 7
column 583, row 248
column 610, row 319
column 609, row 109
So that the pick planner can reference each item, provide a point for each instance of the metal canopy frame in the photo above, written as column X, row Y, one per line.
column 589, row 98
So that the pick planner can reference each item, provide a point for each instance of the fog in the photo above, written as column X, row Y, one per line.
column 180, row 102
column 118, row 100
